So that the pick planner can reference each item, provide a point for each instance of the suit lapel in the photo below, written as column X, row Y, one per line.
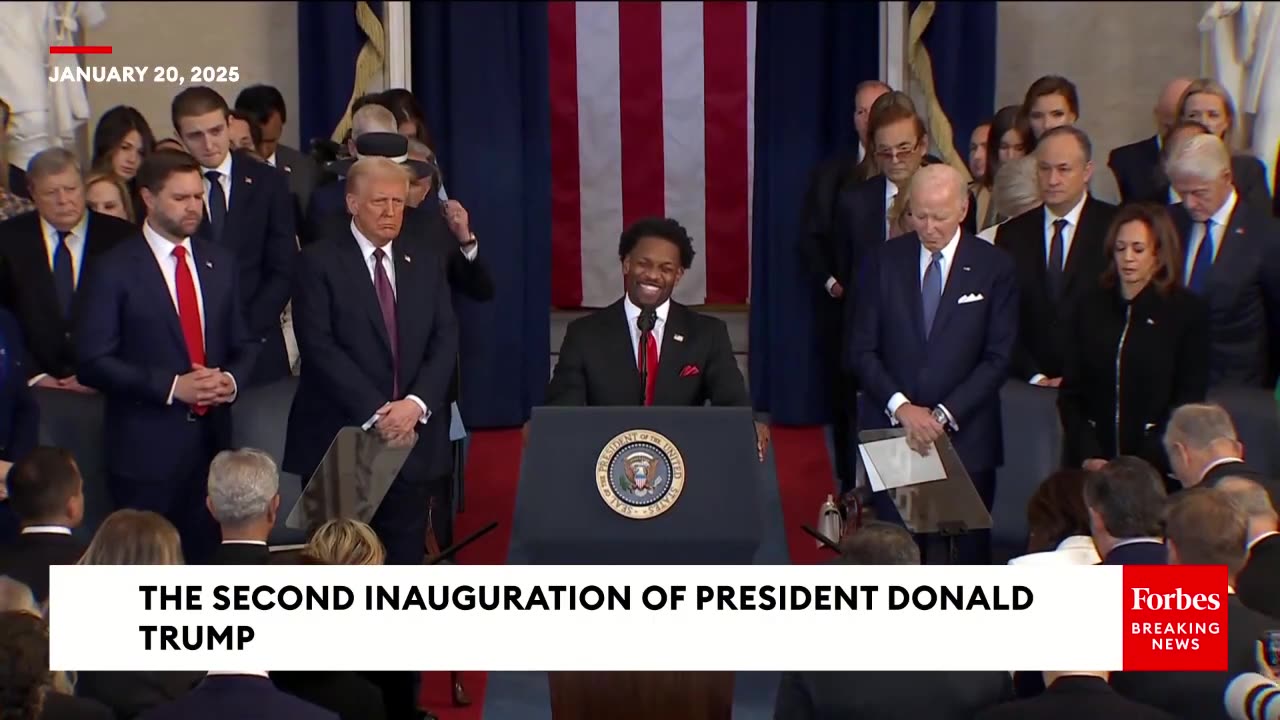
column 212, row 293
column 240, row 185
column 957, row 281
column 1084, row 229
column 619, row 350
column 152, row 278
column 363, row 289
column 411, row 292
column 671, row 354
column 1229, row 246
column 909, row 274
column 38, row 254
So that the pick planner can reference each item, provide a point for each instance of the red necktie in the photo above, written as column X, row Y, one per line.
column 647, row 360
column 189, row 314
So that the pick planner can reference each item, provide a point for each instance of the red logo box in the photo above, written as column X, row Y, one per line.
column 1175, row 617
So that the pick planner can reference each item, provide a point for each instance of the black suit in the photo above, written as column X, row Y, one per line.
column 68, row 707
column 241, row 553
column 1140, row 359
column 129, row 694
column 1141, row 178
column 889, row 695
column 1074, row 697
column 221, row 697
column 1258, row 584
column 598, row 363
column 27, row 286
column 348, row 371
column 1243, row 295
column 349, row 694
column 1146, row 552
column 1042, row 319
column 1198, row 695
column 28, row 559
column 1237, row 468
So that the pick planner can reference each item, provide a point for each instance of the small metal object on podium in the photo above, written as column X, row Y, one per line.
column 352, row 479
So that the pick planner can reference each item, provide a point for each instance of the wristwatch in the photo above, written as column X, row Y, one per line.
column 941, row 417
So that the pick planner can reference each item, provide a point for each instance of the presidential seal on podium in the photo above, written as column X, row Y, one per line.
column 640, row 474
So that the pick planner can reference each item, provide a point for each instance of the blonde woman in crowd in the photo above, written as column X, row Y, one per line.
column 1205, row 101
column 107, row 194
column 346, row 542
column 1014, row 191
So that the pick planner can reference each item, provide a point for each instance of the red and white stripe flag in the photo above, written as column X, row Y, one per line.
column 652, row 109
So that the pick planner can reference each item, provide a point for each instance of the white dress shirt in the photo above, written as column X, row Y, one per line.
column 270, row 159
column 370, row 263
column 224, row 179
column 926, row 256
column 261, row 543
column 1220, row 220
column 76, row 240
column 46, row 530
column 1068, row 233
column 890, row 192
column 1074, row 550
column 1259, row 539
column 633, row 314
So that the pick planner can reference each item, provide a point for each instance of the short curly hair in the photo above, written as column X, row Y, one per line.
column 665, row 228
column 24, row 672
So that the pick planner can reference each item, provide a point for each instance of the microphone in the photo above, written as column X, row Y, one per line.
column 452, row 550
column 648, row 318
column 826, row 541
column 1252, row 697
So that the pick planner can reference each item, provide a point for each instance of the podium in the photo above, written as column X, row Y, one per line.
column 639, row 486
column 352, row 479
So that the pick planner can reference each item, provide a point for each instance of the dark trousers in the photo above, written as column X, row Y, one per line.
column 401, row 519
column 971, row 548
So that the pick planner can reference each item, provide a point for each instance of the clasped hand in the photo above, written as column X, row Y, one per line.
column 397, row 420
column 922, row 428
column 205, row 386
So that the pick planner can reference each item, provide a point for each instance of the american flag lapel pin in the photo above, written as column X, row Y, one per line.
column 678, row 338
column 408, row 259
column 248, row 181
column 208, row 264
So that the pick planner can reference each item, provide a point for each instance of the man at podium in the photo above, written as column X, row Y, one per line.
column 646, row 349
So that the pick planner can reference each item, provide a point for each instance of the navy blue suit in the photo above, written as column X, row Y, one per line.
column 261, row 232
column 19, row 414
column 964, row 360
column 130, row 347
column 347, row 372
column 1138, row 553
column 245, row 697
column 326, row 209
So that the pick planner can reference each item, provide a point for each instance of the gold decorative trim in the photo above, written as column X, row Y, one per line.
column 369, row 63
column 920, row 64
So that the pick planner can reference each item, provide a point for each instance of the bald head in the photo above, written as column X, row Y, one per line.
column 1166, row 109
column 939, row 199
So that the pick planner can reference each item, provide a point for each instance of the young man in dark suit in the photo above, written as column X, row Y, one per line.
column 46, row 492
column 932, row 335
column 163, row 335
column 1124, row 501
column 248, row 210
column 44, row 258
column 265, row 105
column 686, row 358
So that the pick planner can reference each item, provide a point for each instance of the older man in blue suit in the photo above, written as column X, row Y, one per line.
column 933, row 333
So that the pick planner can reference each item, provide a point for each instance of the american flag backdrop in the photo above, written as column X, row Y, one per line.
column 652, row 110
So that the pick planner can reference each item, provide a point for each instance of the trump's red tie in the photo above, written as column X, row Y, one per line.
column 647, row 362
column 189, row 314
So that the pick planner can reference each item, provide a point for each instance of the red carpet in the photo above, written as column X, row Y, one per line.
column 493, row 469
column 805, row 479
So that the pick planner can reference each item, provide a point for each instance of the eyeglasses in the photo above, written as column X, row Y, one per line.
column 892, row 154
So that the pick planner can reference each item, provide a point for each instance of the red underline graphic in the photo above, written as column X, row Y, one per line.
column 79, row 49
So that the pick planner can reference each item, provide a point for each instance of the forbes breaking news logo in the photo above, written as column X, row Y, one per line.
column 1175, row 617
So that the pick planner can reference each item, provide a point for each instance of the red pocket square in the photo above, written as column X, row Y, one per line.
column 690, row 371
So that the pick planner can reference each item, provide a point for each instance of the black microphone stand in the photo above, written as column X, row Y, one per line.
column 648, row 318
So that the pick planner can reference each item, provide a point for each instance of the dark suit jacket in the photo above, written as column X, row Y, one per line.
column 962, row 363
column 1258, row 584
column 1243, row 470
column 325, row 210
column 18, row 182
column 1042, row 322
column 26, row 286
column 1139, row 553
column 219, row 697
column 889, row 695
column 1243, row 296
column 129, row 694
column 237, row 553
column 349, row 694
column 822, row 245
column 28, row 559
column 597, row 364
column 1198, row 695
column 468, row 278
column 347, row 374
column 68, row 707
column 19, row 413
column 303, row 175
column 1075, row 697
column 1141, row 178
column 1163, row 363
column 130, row 347
column 261, row 233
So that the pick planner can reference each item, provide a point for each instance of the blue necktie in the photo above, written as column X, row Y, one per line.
column 931, row 291
column 1202, row 266
column 217, row 204
column 64, row 278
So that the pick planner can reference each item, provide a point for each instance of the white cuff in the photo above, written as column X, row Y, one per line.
column 235, row 387
column 36, row 379
column 1035, row 379
column 471, row 252
column 895, row 402
column 831, row 282
column 951, row 419
column 172, row 389
column 425, row 412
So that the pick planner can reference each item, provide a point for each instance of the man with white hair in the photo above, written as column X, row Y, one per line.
column 244, row 497
column 933, row 333
column 1136, row 166
column 328, row 203
column 1232, row 259
column 1258, row 583
column 1203, row 447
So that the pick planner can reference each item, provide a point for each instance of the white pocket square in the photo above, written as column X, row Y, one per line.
column 971, row 297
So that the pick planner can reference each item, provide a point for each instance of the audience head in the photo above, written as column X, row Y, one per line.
column 1179, row 131
column 1208, row 103
column 1196, row 436
column 200, row 119
column 45, row 488
column 171, row 144
column 655, row 252
column 370, row 118
column 939, row 199
column 978, row 150
column 134, row 537
column 1064, row 159
column 265, row 105
column 1124, row 500
column 15, row 595
column 1199, row 168
column 345, row 542
column 1051, row 101
column 25, row 678
column 411, row 122
column 377, row 191
column 1205, row 527
column 1166, row 109
column 1056, row 510
column 120, row 141
column 244, row 132
column 1142, row 247
column 879, row 543
column 57, row 188
column 172, row 189
column 244, row 493
column 1254, row 501
column 1009, row 139
column 1017, row 187
column 898, row 137
column 107, row 194
column 864, row 96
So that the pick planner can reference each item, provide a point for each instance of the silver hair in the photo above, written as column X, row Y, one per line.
column 372, row 118
column 939, row 173
column 1016, row 188
column 419, row 150
column 1199, row 425
column 1201, row 157
column 242, row 484
column 51, row 161
column 1251, row 498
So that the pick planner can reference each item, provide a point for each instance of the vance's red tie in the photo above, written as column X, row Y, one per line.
column 189, row 314
column 647, row 361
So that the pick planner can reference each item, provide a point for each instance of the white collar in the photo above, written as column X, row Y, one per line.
column 1259, row 539
column 161, row 246
column 234, row 673
column 366, row 245
column 46, row 530
column 224, row 167
column 1223, row 216
column 1135, row 541
column 633, row 310
column 1072, row 217
column 263, row 543
column 1219, row 461
column 948, row 252
column 890, row 191
column 271, row 159
column 1077, row 542
column 79, row 230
